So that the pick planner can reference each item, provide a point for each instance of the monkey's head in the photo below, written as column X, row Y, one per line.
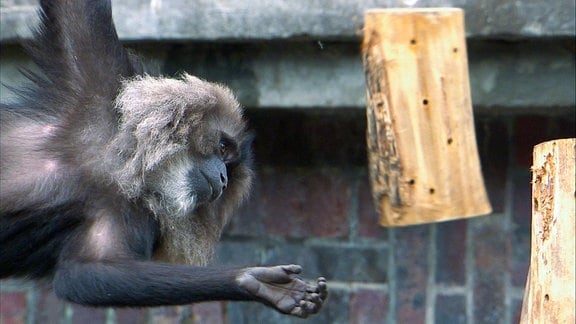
column 182, row 148
column 182, row 144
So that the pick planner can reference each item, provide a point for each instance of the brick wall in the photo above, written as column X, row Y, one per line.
column 311, row 205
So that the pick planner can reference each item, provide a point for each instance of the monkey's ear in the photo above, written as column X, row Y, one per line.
column 245, row 148
column 248, row 140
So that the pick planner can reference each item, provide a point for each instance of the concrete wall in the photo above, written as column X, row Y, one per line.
column 284, row 19
column 296, row 66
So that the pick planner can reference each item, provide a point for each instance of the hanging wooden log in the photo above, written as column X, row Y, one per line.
column 550, row 290
column 423, row 159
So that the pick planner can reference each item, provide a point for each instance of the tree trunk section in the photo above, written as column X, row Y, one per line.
column 550, row 290
column 423, row 159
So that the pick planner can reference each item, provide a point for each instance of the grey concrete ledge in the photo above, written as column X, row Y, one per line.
column 505, row 77
column 282, row 19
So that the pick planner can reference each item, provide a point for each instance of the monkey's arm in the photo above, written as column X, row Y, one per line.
column 106, row 265
column 75, row 40
column 138, row 283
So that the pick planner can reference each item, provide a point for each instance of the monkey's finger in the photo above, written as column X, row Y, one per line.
column 313, row 297
column 310, row 307
column 322, row 287
column 303, row 309
column 319, row 286
column 299, row 312
column 292, row 268
column 312, row 288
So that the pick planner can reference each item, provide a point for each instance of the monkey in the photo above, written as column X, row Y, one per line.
column 115, row 185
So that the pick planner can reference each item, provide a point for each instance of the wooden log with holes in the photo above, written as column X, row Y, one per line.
column 423, row 160
column 550, row 290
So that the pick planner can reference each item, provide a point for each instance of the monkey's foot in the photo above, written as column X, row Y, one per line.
column 283, row 288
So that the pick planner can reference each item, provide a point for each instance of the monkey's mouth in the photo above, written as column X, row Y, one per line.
column 216, row 193
column 207, row 196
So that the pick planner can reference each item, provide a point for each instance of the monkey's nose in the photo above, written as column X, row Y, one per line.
column 224, row 180
column 218, row 188
column 214, row 170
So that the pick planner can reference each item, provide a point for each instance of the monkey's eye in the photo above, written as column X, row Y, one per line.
column 223, row 148
column 227, row 150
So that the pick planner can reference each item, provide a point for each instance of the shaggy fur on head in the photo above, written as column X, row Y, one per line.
column 161, row 117
column 165, row 126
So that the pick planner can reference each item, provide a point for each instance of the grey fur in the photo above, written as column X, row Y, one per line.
column 166, row 127
column 162, row 117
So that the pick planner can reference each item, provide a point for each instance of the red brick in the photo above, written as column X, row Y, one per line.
column 249, row 220
column 491, row 253
column 13, row 307
column 368, row 306
column 12, row 320
column 305, row 202
column 451, row 252
column 13, row 304
column 411, row 255
column 131, row 315
column 92, row 315
column 368, row 226
column 350, row 263
column 49, row 308
column 167, row 315
column 491, row 248
column 210, row 312
column 450, row 309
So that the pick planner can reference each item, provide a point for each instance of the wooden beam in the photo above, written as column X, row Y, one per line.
column 423, row 159
column 550, row 290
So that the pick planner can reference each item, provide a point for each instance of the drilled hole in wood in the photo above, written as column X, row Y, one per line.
column 425, row 102
column 450, row 141
column 413, row 41
column 546, row 297
column 432, row 191
column 411, row 182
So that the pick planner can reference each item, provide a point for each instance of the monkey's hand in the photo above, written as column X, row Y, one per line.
column 283, row 288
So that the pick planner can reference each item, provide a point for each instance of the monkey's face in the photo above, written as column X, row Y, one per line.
column 182, row 145
column 187, row 180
